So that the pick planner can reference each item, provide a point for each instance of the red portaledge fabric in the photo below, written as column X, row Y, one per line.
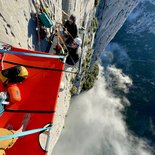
column 39, row 93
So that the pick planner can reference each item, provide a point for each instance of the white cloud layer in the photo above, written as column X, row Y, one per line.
column 95, row 126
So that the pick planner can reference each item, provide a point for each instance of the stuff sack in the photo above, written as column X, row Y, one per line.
column 45, row 20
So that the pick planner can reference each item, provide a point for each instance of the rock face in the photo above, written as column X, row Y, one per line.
column 111, row 15
column 83, row 9
column 14, row 22
column 18, row 28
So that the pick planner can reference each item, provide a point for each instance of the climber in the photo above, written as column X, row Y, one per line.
column 14, row 74
column 70, row 29
column 74, row 51
column 10, row 95
column 9, row 78
column 8, row 143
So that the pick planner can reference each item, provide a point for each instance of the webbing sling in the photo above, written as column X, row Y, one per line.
column 24, row 133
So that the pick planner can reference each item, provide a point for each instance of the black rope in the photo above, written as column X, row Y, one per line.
column 30, row 111
column 52, row 69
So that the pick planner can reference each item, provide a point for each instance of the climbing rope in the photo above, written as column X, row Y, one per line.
column 61, row 43
column 65, row 29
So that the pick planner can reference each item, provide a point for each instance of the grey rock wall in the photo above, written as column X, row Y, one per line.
column 111, row 15
column 17, row 24
column 82, row 9
column 14, row 22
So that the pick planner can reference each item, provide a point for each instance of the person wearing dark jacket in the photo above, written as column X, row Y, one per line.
column 74, row 52
column 71, row 28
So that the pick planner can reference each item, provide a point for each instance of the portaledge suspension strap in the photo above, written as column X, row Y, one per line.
column 24, row 133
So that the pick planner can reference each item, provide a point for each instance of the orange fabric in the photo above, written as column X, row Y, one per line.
column 39, row 93
column 14, row 93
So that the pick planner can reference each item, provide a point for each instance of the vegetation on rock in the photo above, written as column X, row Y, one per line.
column 95, row 24
column 96, row 2
column 90, row 77
column 73, row 90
